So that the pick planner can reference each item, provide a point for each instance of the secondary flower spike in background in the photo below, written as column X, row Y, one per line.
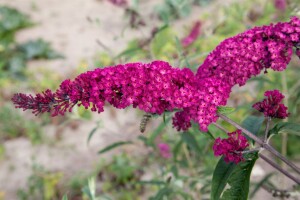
column 164, row 150
column 193, row 35
column 157, row 87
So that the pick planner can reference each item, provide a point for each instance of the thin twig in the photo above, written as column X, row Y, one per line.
column 260, row 142
column 248, row 133
column 251, row 150
column 277, row 192
column 276, row 166
column 220, row 127
column 104, row 47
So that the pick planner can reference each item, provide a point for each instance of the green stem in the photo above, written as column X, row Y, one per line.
column 190, row 166
column 283, row 171
column 267, row 129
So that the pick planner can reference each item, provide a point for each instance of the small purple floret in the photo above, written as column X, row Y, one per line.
column 231, row 148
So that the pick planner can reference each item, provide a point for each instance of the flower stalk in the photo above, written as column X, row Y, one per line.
column 266, row 159
column 267, row 129
column 261, row 143
column 276, row 166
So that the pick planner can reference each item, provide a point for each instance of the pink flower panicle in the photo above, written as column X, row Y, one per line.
column 192, row 36
column 164, row 150
column 238, row 58
column 272, row 105
column 231, row 148
column 154, row 88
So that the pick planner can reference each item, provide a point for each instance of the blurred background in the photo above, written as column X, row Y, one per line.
column 43, row 42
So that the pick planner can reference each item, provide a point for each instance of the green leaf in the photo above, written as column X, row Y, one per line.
column 180, row 52
column 65, row 197
column 221, row 174
column 128, row 52
column 90, row 189
column 16, row 64
column 12, row 20
column 151, row 182
column 225, row 109
column 163, row 45
column 144, row 140
column 93, row 131
column 158, row 130
column 253, row 124
column 191, row 141
column 36, row 49
column 112, row 146
column 239, row 179
column 285, row 127
column 161, row 193
column 176, row 149
column 104, row 197
column 210, row 135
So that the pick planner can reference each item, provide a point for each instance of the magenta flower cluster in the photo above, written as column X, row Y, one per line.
column 193, row 35
column 157, row 87
column 238, row 58
column 280, row 5
column 272, row 105
column 232, row 147
column 164, row 150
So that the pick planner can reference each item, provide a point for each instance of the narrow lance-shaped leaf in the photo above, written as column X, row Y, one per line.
column 93, row 131
column 176, row 149
column 285, row 127
column 191, row 141
column 65, row 197
column 158, row 130
column 225, row 109
column 161, row 193
column 253, row 124
column 239, row 180
column 151, row 182
column 90, row 189
column 221, row 174
column 112, row 146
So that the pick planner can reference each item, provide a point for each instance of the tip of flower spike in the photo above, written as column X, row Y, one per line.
column 23, row 101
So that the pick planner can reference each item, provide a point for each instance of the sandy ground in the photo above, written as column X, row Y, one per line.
column 72, row 27
column 65, row 24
